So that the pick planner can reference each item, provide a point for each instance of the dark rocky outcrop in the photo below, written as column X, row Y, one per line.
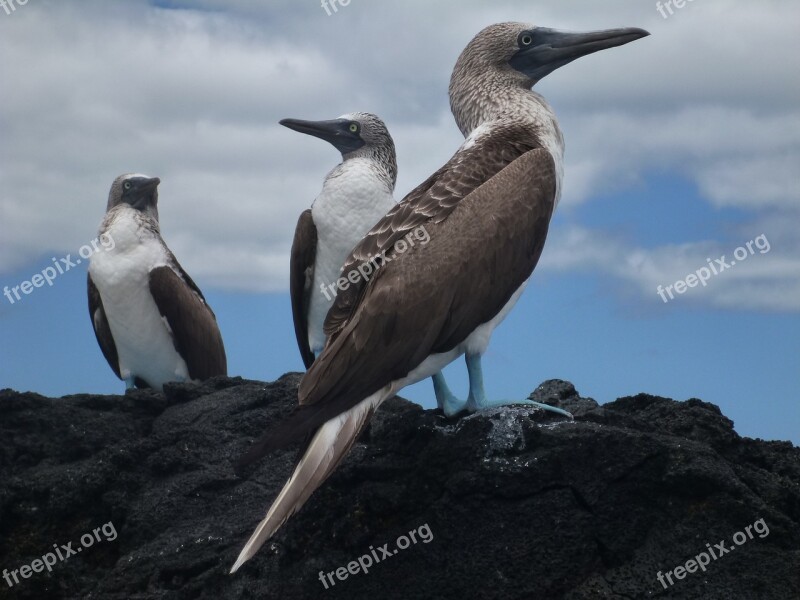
column 520, row 504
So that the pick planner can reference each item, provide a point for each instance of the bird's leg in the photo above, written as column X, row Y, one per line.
column 445, row 399
column 129, row 383
column 477, row 395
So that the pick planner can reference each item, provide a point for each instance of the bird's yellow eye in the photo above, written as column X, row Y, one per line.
column 526, row 40
column 353, row 127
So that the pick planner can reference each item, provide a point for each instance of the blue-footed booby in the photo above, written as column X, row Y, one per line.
column 355, row 195
column 487, row 212
column 150, row 319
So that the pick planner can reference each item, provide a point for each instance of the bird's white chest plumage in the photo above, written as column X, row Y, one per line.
column 353, row 199
column 141, row 335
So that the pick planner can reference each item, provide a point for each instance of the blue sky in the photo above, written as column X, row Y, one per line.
column 681, row 147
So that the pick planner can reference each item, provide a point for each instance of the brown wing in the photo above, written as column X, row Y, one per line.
column 102, row 331
column 301, row 277
column 405, row 313
column 194, row 326
column 430, row 202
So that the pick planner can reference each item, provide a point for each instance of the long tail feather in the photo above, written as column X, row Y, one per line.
column 328, row 447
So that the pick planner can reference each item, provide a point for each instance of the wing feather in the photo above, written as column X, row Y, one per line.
column 430, row 202
column 102, row 330
column 193, row 324
column 301, row 277
column 327, row 449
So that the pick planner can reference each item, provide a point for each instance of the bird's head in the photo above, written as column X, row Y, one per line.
column 137, row 191
column 506, row 59
column 526, row 53
column 353, row 134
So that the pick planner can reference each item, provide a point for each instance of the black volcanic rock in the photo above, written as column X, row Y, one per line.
column 519, row 503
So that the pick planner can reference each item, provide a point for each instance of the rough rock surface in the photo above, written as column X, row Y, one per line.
column 519, row 503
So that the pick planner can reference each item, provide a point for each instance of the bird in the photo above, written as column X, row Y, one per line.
column 355, row 195
column 487, row 213
column 150, row 319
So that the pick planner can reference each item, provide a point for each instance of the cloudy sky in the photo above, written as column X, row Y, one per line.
column 681, row 147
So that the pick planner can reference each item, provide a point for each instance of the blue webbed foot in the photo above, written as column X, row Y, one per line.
column 475, row 404
column 477, row 399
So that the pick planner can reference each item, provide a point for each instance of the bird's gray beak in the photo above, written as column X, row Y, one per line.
column 335, row 131
column 542, row 50
column 143, row 193
column 147, row 185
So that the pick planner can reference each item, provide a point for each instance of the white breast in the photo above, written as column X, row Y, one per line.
column 142, row 337
column 353, row 199
column 549, row 134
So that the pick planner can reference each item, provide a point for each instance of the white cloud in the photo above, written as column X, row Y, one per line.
column 754, row 182
column 768, row 278
column 92, row 89
column 737, row 156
